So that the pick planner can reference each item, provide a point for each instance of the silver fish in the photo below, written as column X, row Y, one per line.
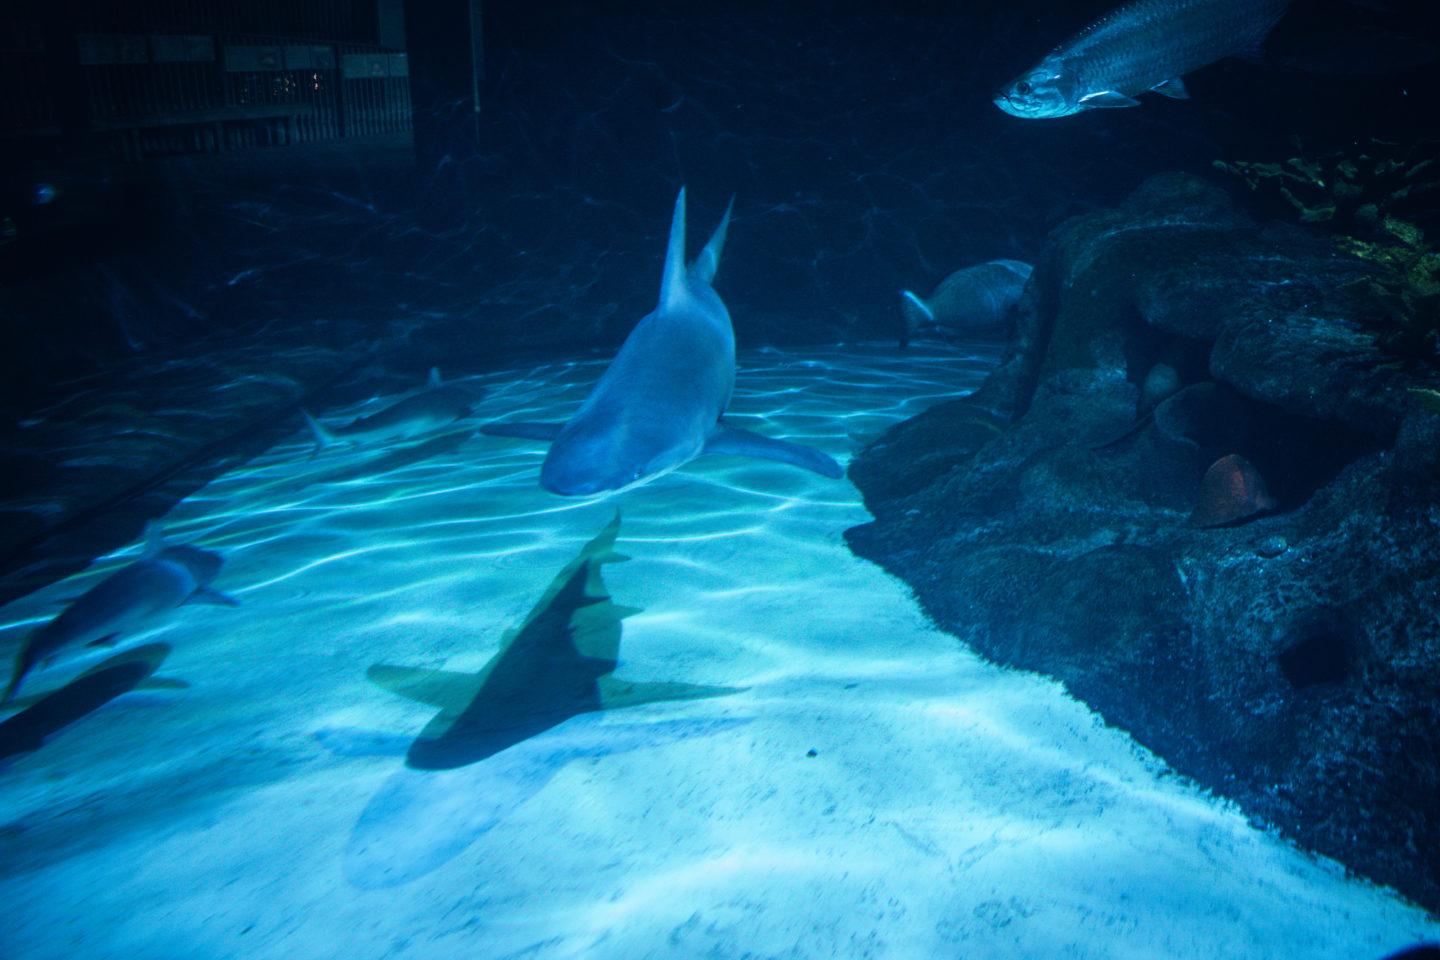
column 1143, row 45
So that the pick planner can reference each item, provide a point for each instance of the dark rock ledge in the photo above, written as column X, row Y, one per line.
column 1290, row 660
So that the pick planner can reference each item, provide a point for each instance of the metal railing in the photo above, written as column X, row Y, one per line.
column 155, row 94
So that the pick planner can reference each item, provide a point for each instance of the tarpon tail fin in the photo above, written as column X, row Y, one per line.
column 708, row 262
column 674, row 295
column 322, row 437
column 914, row 314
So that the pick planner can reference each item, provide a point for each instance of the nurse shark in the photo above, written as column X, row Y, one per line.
column 659, row 404
column 504, row 732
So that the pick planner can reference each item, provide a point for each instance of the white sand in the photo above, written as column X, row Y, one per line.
column 952, row 809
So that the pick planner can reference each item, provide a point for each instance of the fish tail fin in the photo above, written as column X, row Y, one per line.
column 914, row 314
column 673, row 293
column 322, row 437
column 433, row 380
column 709, row 260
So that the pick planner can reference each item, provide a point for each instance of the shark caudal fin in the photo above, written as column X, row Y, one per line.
column 708, row 262
column 674, row 295
column 322, row 437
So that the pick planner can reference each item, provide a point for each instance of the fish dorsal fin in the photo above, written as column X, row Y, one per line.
column 709, row 260
column 154, row 540
column 1174, row 88
column 674, row 295
column 433, row 380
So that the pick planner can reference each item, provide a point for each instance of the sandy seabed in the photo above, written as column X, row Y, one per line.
column 875, row 790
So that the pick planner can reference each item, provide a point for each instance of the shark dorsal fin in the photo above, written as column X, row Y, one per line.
column 673, row 293
column 433, row 380
column 709, row 260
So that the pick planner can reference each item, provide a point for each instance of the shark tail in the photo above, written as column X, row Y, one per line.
column 323, row 437
column 914, row 314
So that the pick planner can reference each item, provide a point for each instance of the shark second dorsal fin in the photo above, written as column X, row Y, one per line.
column 673, row 293
column 709, row 260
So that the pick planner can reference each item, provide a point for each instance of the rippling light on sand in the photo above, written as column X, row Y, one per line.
column 886, row 795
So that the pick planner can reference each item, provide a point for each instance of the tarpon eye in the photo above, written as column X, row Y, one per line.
column 1023, row 88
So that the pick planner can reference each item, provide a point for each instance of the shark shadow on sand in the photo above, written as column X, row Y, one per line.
column 503, row 733
column 43, row 717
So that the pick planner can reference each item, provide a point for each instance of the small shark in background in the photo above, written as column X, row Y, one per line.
column 534, row 707
column 659, row 404
column 433, row 406
column 165, row 577
column 1143, row 45
column 43, row 717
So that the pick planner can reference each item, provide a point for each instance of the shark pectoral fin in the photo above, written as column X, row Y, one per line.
column 1173, row 88
column 526, row 429
column 1108, row 98
column 438, row 688
column 210, row 595
column 106, row 641
column 743, row 443
column 616, row 694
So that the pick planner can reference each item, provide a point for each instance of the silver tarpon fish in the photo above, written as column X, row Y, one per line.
column 1143, row 45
